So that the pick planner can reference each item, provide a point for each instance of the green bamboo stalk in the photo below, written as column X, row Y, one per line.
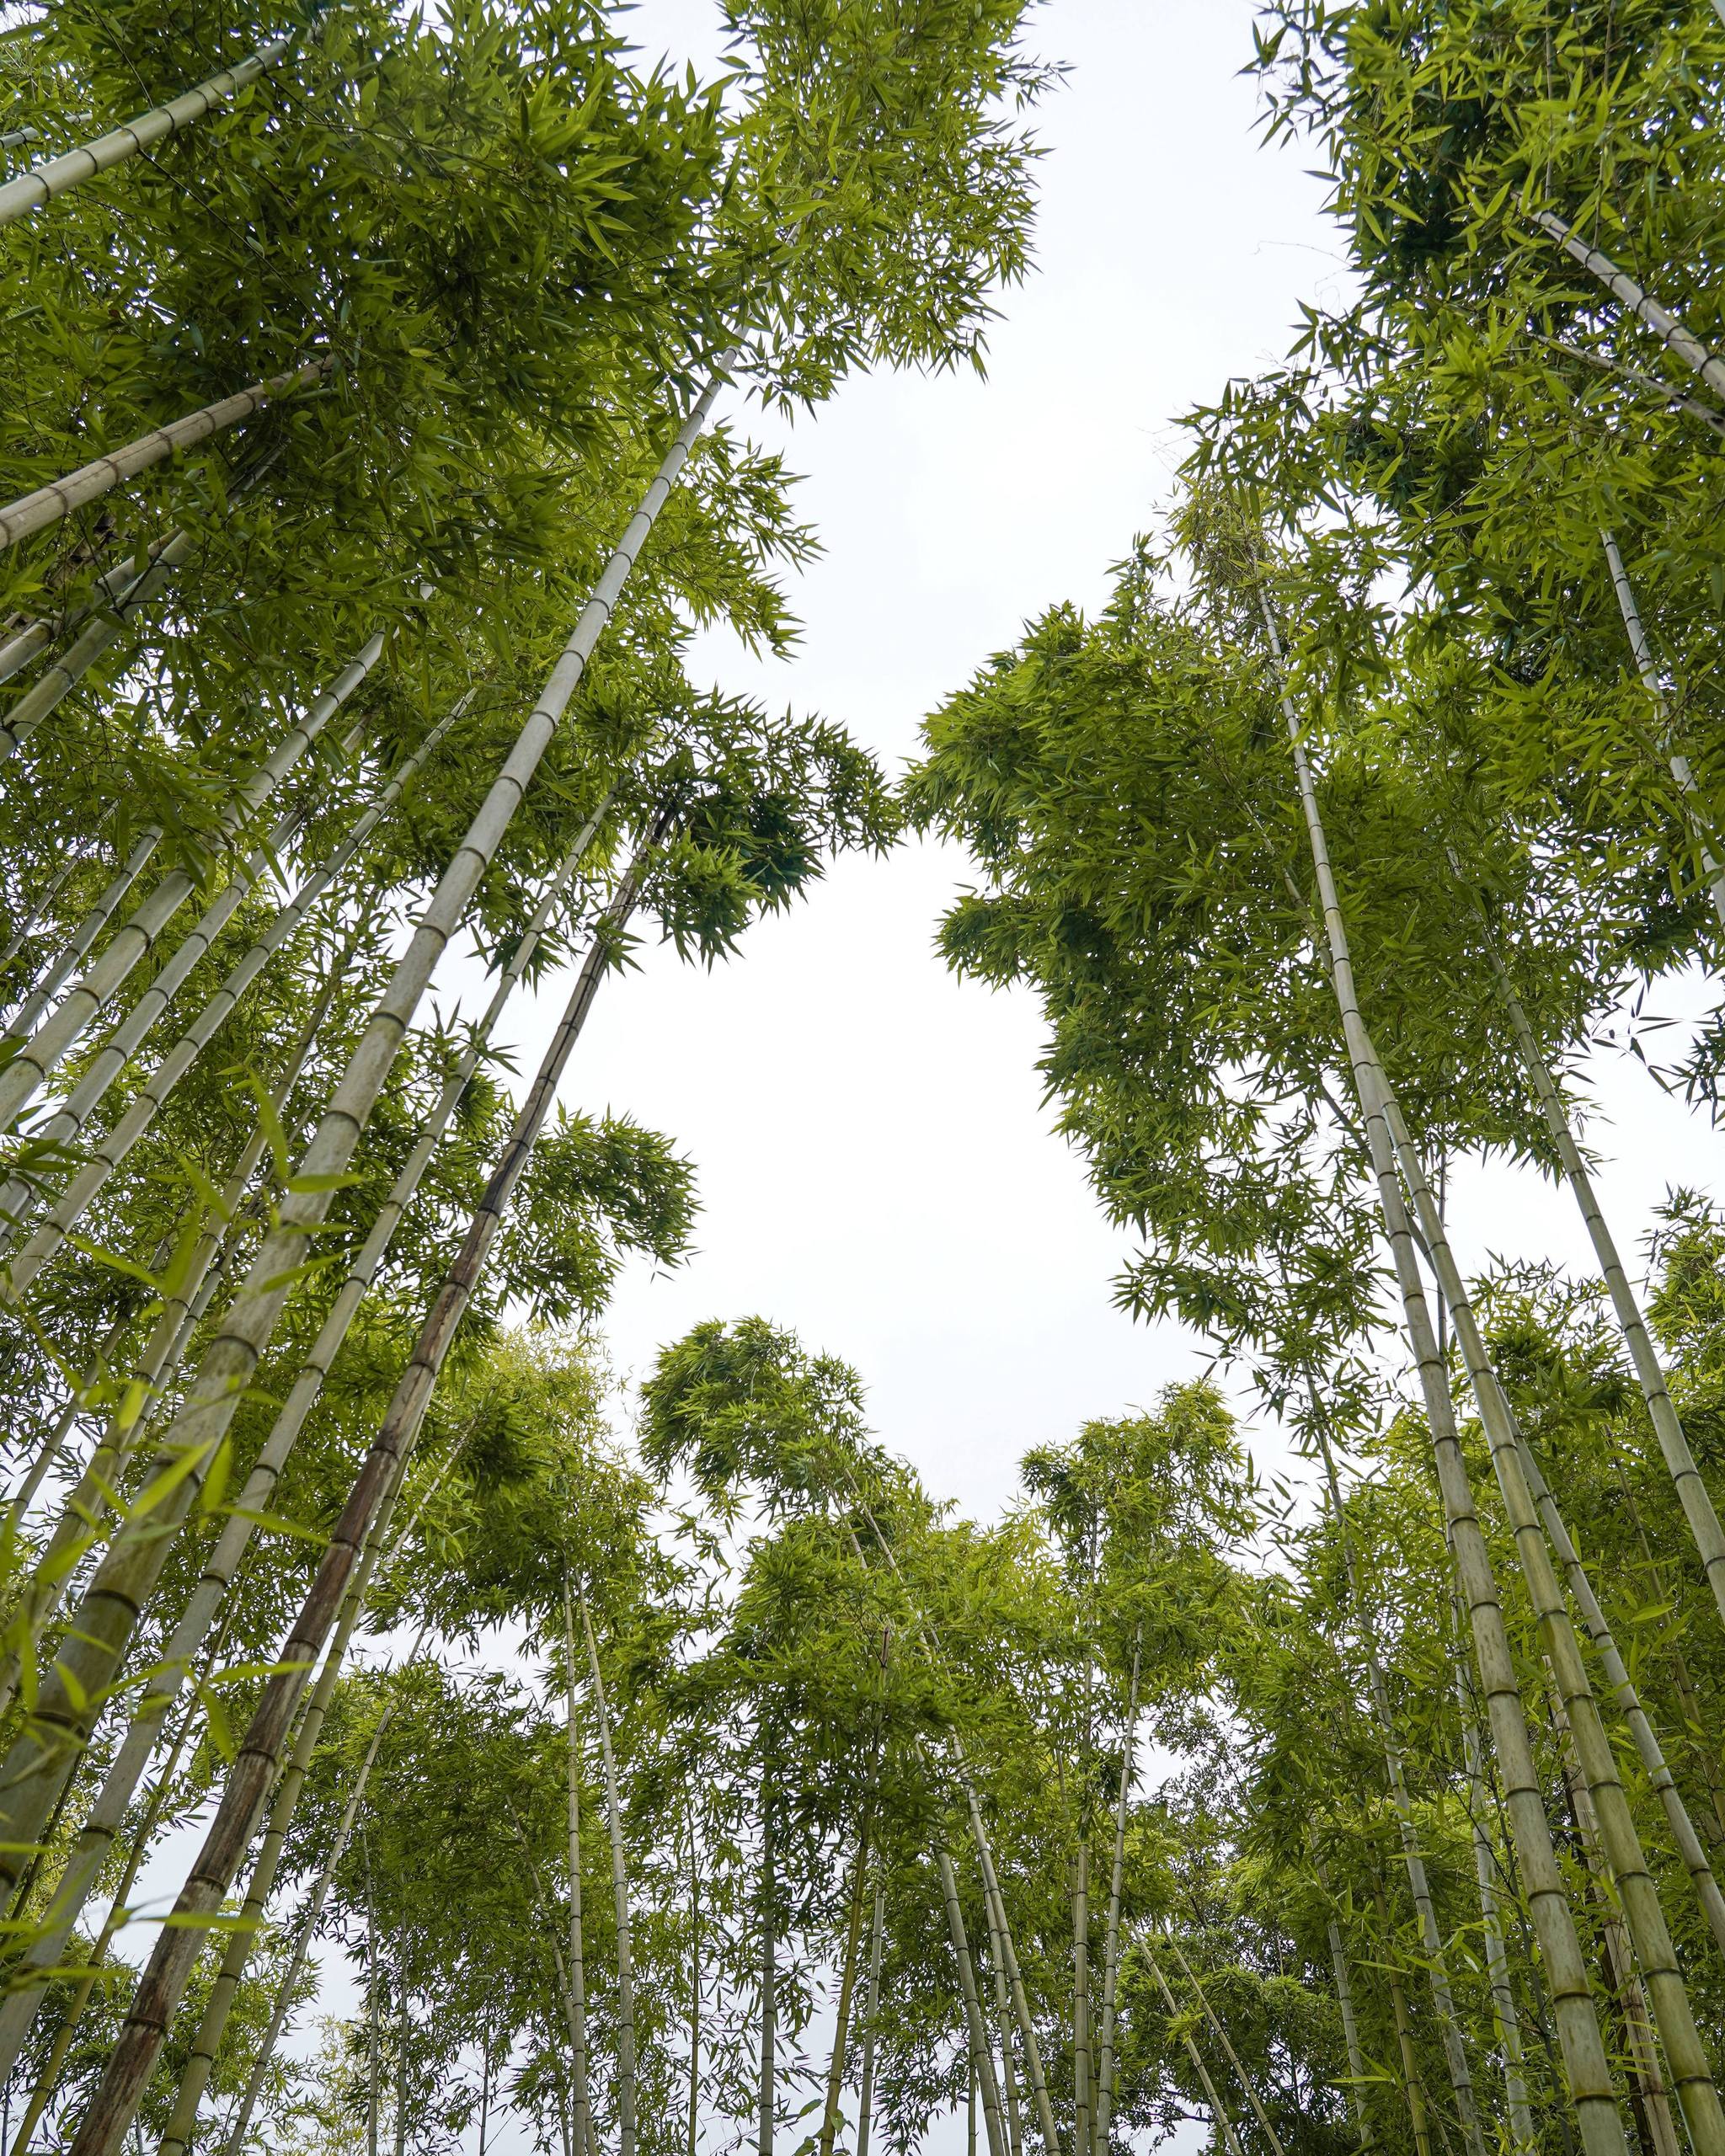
column 59, row 970
column 871, row 2003
column 1677, row 762
column 303, row 1936
column 1524, row 2138
column 1231, row 2140
column 109, row 1609
column 766, row 2116
column 1015, row 1980
column 102, row 1157
column 48, row 1045
column 1591, row 2091
column 1691, row 2070
column 1111, row 1939
column 74, row 859
column 1003, row 2016
column 60, row 498
column 1082, row 2129
column 620, row 1901
column 134, row 2055
column 1664, row 325
column 1698, row 1509
column 839, row 2057
column 976, row 2029
column 1404, row 2041
column 63, row 675
column 1413, row 1857
column 692, row 2135
column 1350, row 2018
column 575, row 1979
column 1228, row 2051
column 33, row 189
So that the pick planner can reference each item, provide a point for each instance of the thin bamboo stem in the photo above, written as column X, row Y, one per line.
column 1111, row 1941
column 1219, row 2111
column 865, row 2092
column 620, row 1902
column 1350, row 2018
column 976, row 2029
column 1228, row 2051
column 839, row 2056
column 575, row 1993
column 33, row 189
column 1524, row 2139
column 1664, row 325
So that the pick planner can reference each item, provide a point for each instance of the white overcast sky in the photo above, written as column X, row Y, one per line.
column 877, row 1167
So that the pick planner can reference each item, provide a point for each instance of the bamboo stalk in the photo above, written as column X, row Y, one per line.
column 1591, row 2092
column 1404, row 2043
column 865, row 2093
column 74, row 859
column 303, row 1936
column 976, row 2029
column 839, row 2056
column 163, row 1983
column 1413, row 1857
column 60, row 969
column 1015, row 1981
column 1225, row 2125
column 766, row 2116
column 1698, row 1509
column 59, row 498
column 1083, row 2142
column 63, row 675
column 1228, row 2051
column 1677, row 762
column 52, row 1041
column 1111, row 1941
column 1524, row 2140
column 105, row 1154
column 620, row 1900
column 1664, row 325
column 1003, row 2015
column 40, row 185
column 109, row 1609
column 1350, row 2018
column 693, row 2138
column 575, row 1986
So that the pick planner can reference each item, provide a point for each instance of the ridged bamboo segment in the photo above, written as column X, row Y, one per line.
column 1228, row 2051
column 304, row 1934
column 163, row 1983
column 1404, row 2045
column 976, row 2029
column 54, row 976
column 1345, row 2008
column 1691, row 2070
column 620, row 1903
column 109, row 1612
column 1660, row 320
column 207, row 1598
column 1413, row 1861
column 1524, row 2139
column 575, row 1979
column 1590, row 2088
column 865, row 2091
column 1688, row 1841
column 55, row 884
column 1003, row 2016
column 838, row 2058
column 1225, row 2125
column 31, row 190
column 63, row 675
column 200, row 1621
column 105, row 1154
column 1015, row 1979
column 51, row 1043
column 20, row 649
column 1698, row 1509
column 61, row 498
column 1111, row 1937
column 1677, row 762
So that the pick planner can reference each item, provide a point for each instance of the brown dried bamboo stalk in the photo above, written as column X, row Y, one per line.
column 163, row 1983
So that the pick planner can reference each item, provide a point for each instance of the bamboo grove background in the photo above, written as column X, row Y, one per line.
column 372, row 457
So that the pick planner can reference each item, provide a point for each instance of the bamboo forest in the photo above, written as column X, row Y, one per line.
column 425, row 1729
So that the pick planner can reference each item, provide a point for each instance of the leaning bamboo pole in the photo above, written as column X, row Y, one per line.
column 103, row 1157
column 1225, row 2124
column 1620, row 1838
column 1345, row 2007
column 36, row 1762
column 871, row 2002
column 61, row 676
column 1223, row 2038
column 1678, row 764
column 1692, row 1493
column 1431, row 1938
column 163, row 1983
column 575, row 1980
column 42, row 183
column 1591, row 2091
column 60, row 968
column 60, row 498
column 1664, row 325
column 1524, row 2139
column 1111, row 1936
column 305, row 1932
column 981, row 2051
column 53, row 1040
column 620, row 1900
column 207, row 1597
